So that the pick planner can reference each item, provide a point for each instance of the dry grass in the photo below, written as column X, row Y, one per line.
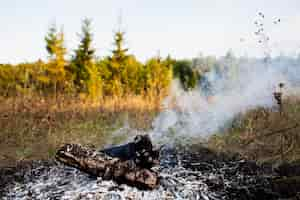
column 32, row 127
column 264, row 134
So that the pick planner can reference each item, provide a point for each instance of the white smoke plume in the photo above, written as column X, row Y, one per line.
column 194, row 115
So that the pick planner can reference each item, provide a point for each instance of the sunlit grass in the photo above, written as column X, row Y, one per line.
column 32, row 127
column 264, row 134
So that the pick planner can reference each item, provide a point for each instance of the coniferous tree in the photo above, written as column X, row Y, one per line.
column 121, row 72
column 117, row 65
column 158, row 76
column 230, row 66
column 118, row 60
column 84, row 56
column 55, row 70
column 187, row 75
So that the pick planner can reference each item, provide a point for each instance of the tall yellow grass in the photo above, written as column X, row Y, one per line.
column 264, row 134
column 33, row 126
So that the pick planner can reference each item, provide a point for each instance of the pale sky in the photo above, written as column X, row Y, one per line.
column 181, row 28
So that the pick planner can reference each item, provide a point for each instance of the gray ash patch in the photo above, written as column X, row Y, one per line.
column 200, row 174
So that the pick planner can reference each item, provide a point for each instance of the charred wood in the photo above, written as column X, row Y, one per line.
column 102, row 165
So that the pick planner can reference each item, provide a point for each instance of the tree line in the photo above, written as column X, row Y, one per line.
column 116, row 75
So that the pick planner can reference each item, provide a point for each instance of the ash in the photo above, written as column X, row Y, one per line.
column 184, row 174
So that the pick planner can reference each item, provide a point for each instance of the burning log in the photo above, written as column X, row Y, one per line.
column 130, row 163
column 140, row 151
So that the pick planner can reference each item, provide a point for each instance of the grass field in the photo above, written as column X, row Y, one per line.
column 34, row 127
column 264, row 134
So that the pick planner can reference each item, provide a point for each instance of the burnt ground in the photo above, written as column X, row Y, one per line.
column 185, row 173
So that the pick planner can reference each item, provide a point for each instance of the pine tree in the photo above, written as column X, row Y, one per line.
column 187, row 75
column 119, row 53
column 55, row 69
column 84, row 56
column 158, row 76
column 231, row 66
column 117, row 65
